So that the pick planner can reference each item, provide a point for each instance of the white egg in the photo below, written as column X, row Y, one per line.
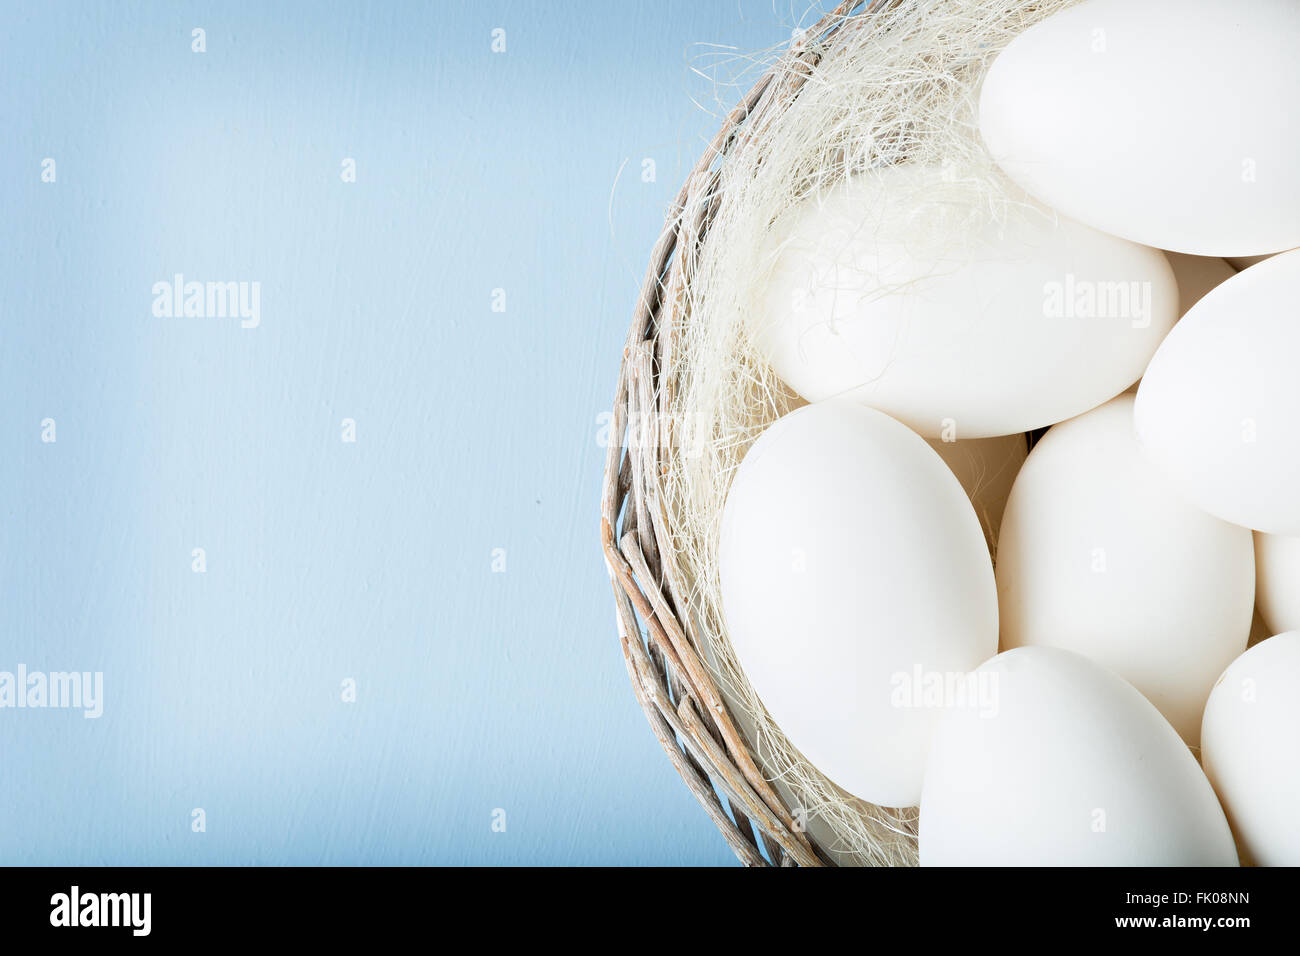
column 986, row 468
column 1251, row 752
column 1098, row 556
column 902, row 291
column 1197, row 275
column 1167, row 122
column 1218, row 407
column 850, row 560
column 1277, row 582
column 1055, row 761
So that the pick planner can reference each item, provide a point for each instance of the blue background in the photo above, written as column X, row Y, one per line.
column 476, row 429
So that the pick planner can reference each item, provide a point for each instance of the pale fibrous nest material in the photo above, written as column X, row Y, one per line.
column 870, row 85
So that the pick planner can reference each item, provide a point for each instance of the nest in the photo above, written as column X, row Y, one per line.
column 870, row 85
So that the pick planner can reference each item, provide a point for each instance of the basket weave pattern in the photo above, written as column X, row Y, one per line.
column 673, row 685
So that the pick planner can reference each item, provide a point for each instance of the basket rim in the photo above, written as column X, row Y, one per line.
column 674, row 687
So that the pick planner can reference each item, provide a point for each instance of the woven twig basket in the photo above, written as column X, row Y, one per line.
column 670, row 679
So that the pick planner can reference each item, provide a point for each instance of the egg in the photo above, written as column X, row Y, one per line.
column 1098, row 556
column 902, row 291
column 1055, row 761
column 986, row 468
column 1250, row 750
column 852, row 569
column 1277, row 582
column 1218, row 407
column 1167, row 122
column 1197, row 275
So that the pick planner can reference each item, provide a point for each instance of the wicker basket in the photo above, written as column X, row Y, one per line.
column 672, row 683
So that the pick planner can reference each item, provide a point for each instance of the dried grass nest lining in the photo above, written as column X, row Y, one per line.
column 893, row 85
